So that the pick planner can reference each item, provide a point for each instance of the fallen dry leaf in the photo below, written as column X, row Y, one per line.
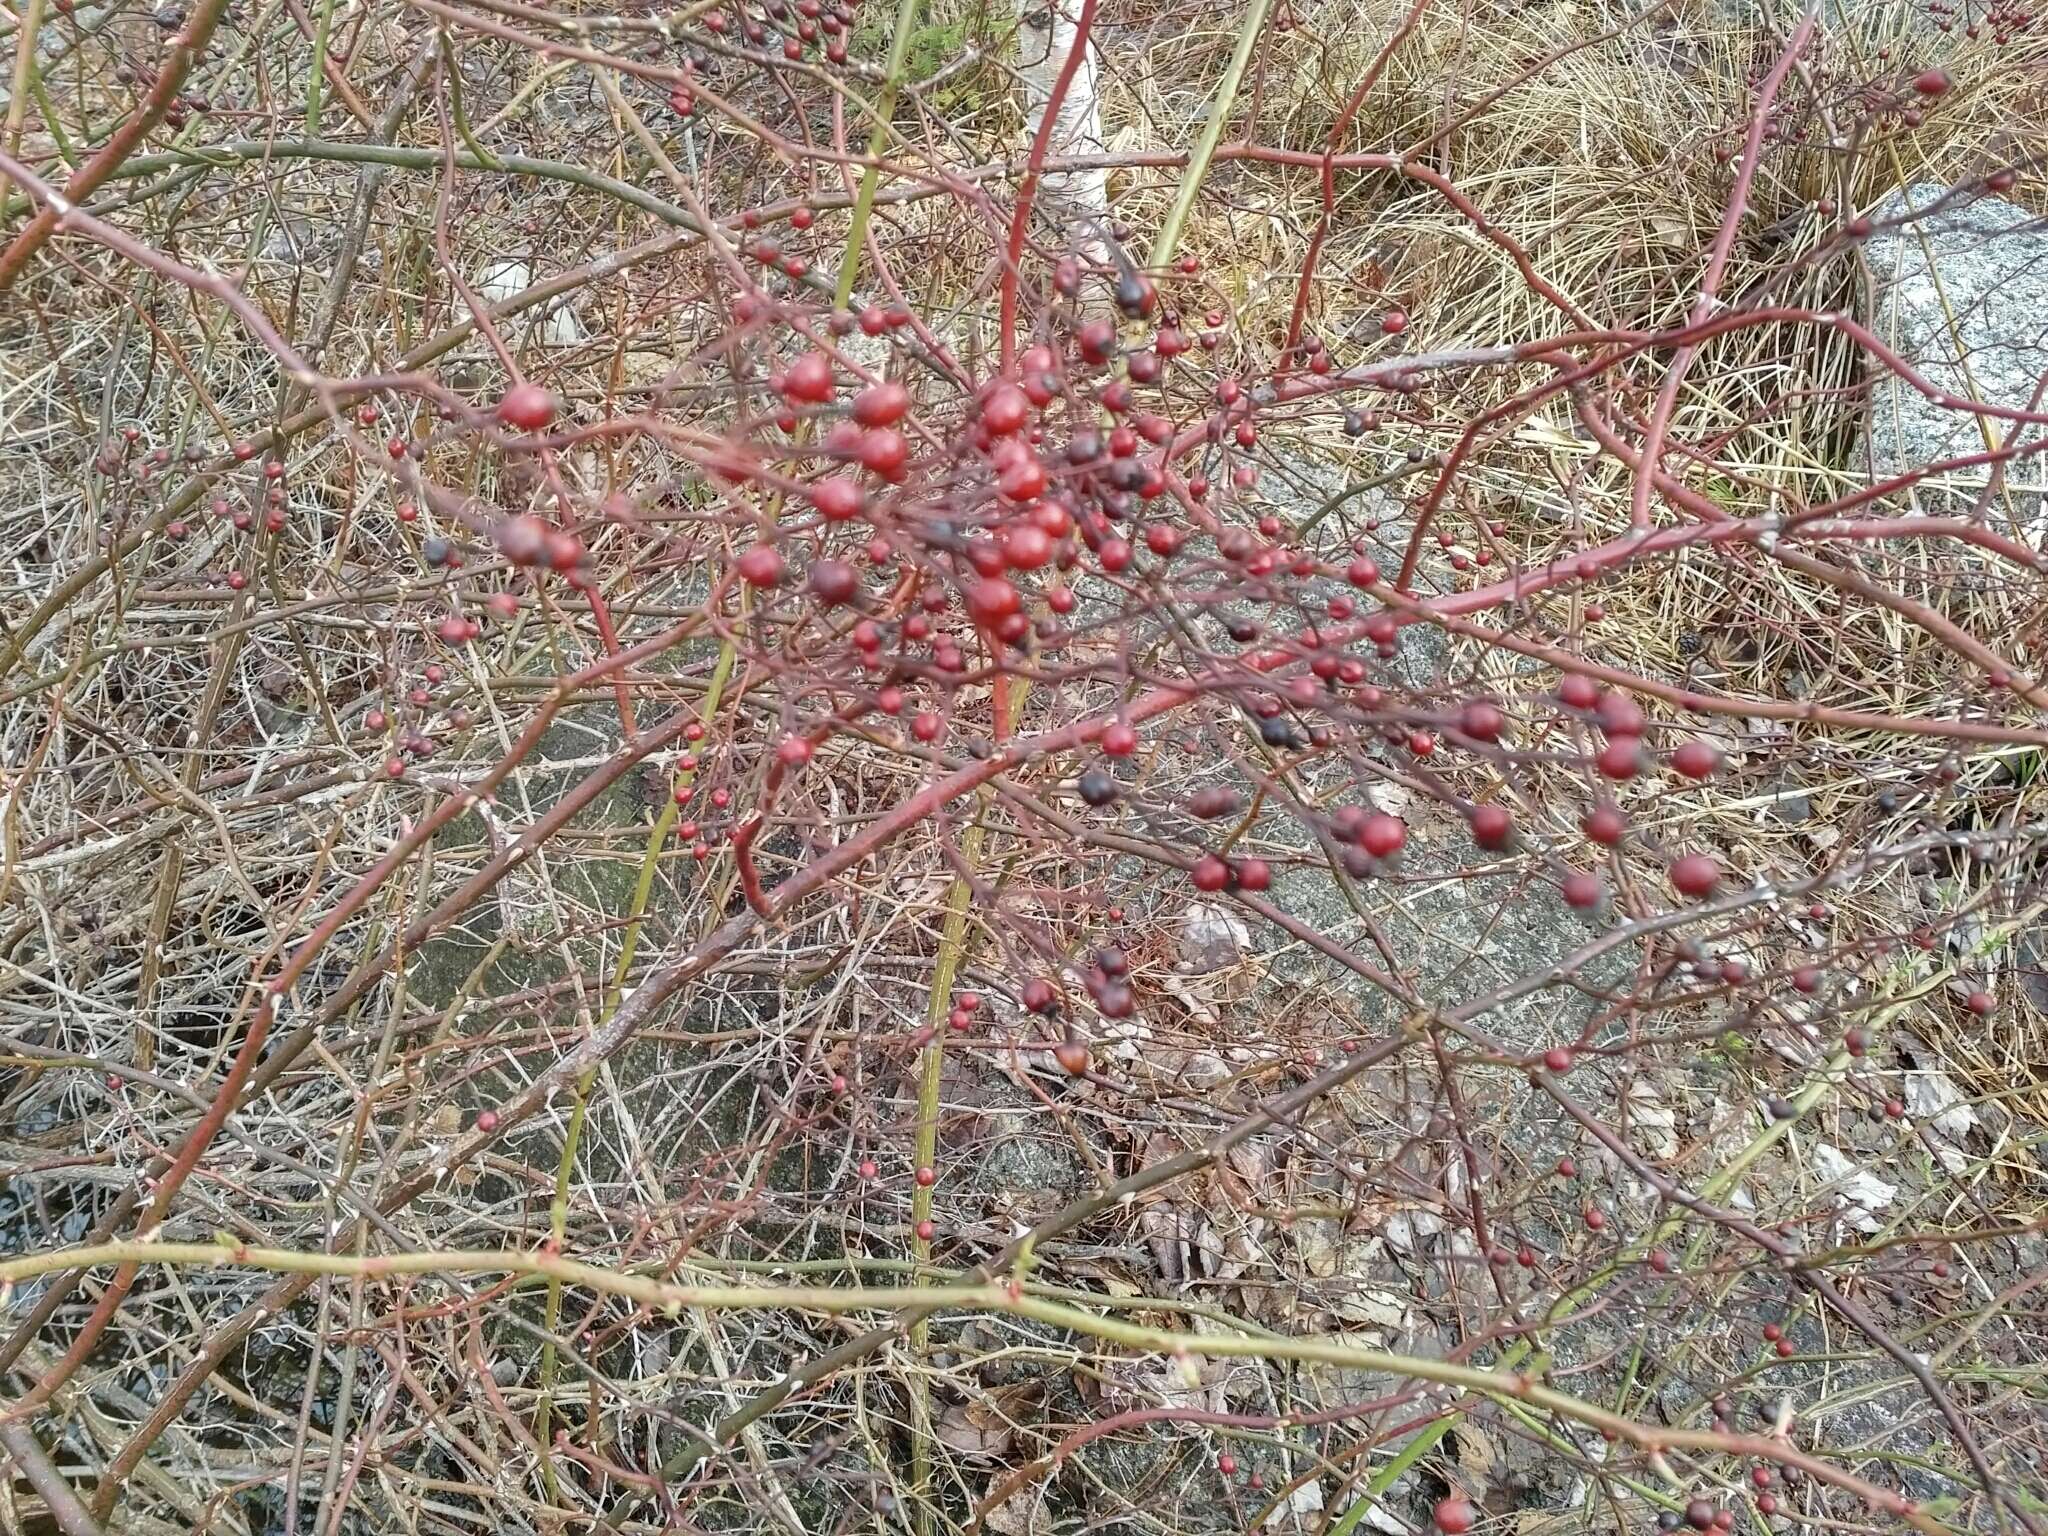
column 1022, row 1514
column 985, row 1426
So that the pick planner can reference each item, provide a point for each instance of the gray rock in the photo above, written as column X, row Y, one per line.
column 1960, row 290
column 1455, row 934
column 1334, row 504
column 531, row 906
column 1789, row 802
column 1027, row 1165
column 298, row 242
column 1874, row 1413
column 1457, row 937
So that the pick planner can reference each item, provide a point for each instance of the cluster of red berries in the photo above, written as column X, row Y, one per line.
column 790, row 26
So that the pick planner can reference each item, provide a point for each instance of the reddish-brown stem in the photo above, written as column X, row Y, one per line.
column 185, row 50
column 70, row 1517
column 1717, row 264
column 1328, row 171
column 1027, row 190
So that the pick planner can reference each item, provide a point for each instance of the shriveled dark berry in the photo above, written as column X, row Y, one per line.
column 1135, row 294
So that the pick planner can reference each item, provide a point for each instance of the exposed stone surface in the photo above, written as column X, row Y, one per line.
column 1027, row 1168
column 1960, row 290
column 554, row 324
column 1457, row 937
column 1334, row 504
column 528, row 907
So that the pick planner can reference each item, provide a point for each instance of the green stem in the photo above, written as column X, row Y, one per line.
column 558, row 1210
column 670, row 1299
column 1417, row 1448
column 952, row 948
column 671, row 813
column 456, row 108
column 870, row 178
column 1168, row 243
column 320, row 30
column 66, row 151
column 24, row 79
column 405, row 158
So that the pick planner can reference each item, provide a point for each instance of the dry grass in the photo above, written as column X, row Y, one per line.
column 148, row 876
column 1596, row 168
